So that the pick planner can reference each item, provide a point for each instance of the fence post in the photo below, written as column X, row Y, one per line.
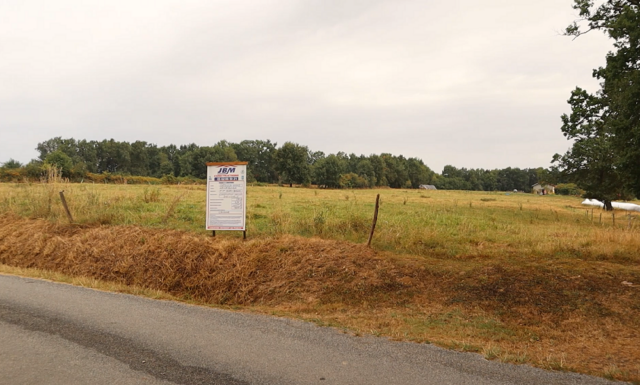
column 66, row 208
column 375, row 220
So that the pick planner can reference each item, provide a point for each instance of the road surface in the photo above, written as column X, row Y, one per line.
column 53, row 333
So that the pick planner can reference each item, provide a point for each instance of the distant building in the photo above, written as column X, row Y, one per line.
column 427, row 187
column 543, row 189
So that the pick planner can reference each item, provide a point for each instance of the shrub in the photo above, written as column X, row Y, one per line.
column 352, row 180
column 568, row 189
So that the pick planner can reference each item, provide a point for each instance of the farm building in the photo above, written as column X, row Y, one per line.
column 543, row 189
column 427, row 187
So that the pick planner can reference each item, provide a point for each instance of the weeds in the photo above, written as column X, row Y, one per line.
column 151, row 195
column 491, row 352
column 172, row 208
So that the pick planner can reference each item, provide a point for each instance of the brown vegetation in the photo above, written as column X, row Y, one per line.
column 577, row 316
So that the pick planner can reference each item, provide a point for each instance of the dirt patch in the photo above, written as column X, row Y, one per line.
column 527, row 293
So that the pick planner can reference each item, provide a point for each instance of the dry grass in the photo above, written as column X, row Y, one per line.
column 561, row 312
column 448, row 225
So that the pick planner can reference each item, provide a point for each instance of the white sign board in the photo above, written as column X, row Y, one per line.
column 226, row 196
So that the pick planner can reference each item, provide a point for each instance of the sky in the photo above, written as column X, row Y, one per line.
column 475, row 84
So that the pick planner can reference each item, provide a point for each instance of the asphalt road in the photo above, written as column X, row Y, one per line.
column 54, row 333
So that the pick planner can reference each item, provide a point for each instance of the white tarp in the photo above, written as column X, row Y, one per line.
column 615, row 205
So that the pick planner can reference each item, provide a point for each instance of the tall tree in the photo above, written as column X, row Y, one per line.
column 365, row 170
column 396, row 171
column 327, row 171
column 60, row 160
column 418, row 172
column 261, row 156
column 293, row 163
column 379, row 169
column 605, row 157
column 139, row 158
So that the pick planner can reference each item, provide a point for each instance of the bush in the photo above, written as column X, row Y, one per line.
column 11, row 174
column 352, row 180
column 568, row 189
column 169, row 179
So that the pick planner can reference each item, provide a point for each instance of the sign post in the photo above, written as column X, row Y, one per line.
column 227, row 196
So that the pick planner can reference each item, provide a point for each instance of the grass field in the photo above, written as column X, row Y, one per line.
column 516, row 277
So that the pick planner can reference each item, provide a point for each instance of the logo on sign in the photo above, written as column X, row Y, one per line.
column 226, row 170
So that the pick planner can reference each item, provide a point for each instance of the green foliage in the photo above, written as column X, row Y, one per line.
column 352, row 180
column 261, row 156
column 605, row 126
column 418, row 173
column 33, row 169
column 11, row 174
column 364, row 169
column 568, row 189
column 327, row 171
column 507, row 179
column 60, row 160
column 395, row 170
column 11, row 164
column 292, row 162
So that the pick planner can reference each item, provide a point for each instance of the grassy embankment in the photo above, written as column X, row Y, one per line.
column 517, row 277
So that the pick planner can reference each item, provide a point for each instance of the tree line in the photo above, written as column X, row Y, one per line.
column 290, row 164
column 507, row 179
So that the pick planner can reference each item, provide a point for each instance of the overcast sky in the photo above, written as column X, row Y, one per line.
column 476, row 84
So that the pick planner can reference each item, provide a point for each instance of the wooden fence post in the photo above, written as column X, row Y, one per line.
column 66, row 208
column 375, row 220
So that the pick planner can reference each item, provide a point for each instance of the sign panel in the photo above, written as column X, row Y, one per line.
column 226, row 196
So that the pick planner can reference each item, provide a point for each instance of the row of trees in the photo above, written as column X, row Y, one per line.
column 288, row 164
column 507, row 179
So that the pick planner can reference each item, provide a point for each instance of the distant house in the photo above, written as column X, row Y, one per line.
column 427, row 187
column 545, row 189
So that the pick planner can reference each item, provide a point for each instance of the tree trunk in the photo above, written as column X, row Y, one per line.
column 607, row 205
column 290, row 184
